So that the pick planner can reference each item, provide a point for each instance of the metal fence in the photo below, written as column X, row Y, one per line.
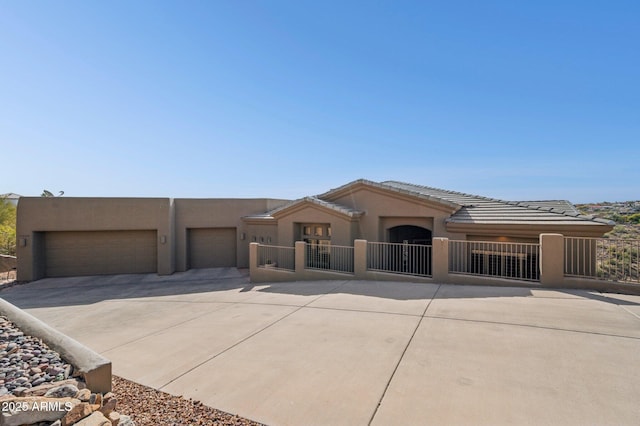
column 517, row 261
column 277, row 257
column 329, row 257
column 399, row 258
column 602, row 258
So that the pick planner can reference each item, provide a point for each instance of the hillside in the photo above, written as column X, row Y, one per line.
column 625, row 214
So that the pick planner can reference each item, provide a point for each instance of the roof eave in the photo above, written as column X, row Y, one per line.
column 315, row 203
column 584, row 229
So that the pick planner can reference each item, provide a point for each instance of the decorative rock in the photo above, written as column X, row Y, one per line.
column 38, row 381
column 20, row 391
column 67, row 390
column 114, row 418
column 95, row 419
column 96, row 398
column 109, row 402
column 42, row 389
column 84, row 395
column 67, row 371
column 24, row 359
column 76, row 414
column 126, row 421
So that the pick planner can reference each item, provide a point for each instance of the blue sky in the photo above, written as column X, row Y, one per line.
column 513, row 100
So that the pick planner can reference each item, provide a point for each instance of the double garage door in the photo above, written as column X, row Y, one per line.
column 211, row 247
column 100, row 252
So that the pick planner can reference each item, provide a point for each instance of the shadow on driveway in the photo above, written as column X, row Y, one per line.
column 50, row 292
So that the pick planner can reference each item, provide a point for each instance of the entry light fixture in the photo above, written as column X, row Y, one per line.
column 163, row 239
column 243, row 236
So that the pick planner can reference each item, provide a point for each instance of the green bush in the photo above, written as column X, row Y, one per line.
column 7, row 228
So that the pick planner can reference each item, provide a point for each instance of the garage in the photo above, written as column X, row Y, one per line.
column 100, row 252
column 212, row 247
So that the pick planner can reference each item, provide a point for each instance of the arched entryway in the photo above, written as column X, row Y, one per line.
column 410, row 234
column 411, row 253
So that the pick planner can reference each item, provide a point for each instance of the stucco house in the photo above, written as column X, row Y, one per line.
column 66, row 236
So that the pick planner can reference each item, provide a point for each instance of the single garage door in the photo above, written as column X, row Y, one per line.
column 100, row 252
column 212, row 247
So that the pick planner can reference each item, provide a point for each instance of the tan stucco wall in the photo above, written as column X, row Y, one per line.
column 220, row 213
column 342, row 228
column 384, row 210
column 37, row 215
column 169, row 218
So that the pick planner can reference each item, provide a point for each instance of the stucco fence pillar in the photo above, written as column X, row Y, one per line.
column 360, row 259
column 440, row 259
column 552, row 260
column 300, row 248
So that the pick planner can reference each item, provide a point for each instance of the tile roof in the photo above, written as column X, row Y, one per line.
column 466, row 208
column 314, row 200
column 406, row 189
column 560, row 205
column 475, row 209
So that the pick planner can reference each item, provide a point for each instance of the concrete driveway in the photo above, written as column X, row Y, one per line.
column 358, row 353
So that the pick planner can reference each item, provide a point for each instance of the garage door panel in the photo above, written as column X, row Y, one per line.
column 212, row 247
column 100, row 252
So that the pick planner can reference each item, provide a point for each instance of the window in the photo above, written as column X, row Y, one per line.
column 318, row 239
column 316, row 231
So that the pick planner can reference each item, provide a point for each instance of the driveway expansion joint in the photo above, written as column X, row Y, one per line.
column 164, row 329
column 298, row 308
column 595, row 333
column 404, row 351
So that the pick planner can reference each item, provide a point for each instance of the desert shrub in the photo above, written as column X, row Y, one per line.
column 7, row 228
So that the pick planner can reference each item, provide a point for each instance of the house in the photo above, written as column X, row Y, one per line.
column 11, row 198
column 65, row 236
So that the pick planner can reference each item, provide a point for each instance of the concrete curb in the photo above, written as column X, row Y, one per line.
column 95, row 369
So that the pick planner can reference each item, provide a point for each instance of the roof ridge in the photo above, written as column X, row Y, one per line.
column 382, row 185
column 313, row 199
column 448, row 191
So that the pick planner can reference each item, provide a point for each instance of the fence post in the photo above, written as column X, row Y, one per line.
column 360, row 259
column 253, row 260
column 440, row 259
column 552, row 259
column 300, row 263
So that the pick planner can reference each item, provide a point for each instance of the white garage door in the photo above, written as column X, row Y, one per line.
column 100, row 252
column 212, row 247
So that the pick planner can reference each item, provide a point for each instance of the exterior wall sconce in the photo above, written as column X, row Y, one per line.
column 268, row 240
column 163, row 239
column 243, row 236
column 22, row 242
column 254, row 239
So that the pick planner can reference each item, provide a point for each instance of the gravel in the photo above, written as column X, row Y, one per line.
column 148, row 407
column 26, row 361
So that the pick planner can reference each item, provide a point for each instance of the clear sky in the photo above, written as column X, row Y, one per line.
column 508, row 99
